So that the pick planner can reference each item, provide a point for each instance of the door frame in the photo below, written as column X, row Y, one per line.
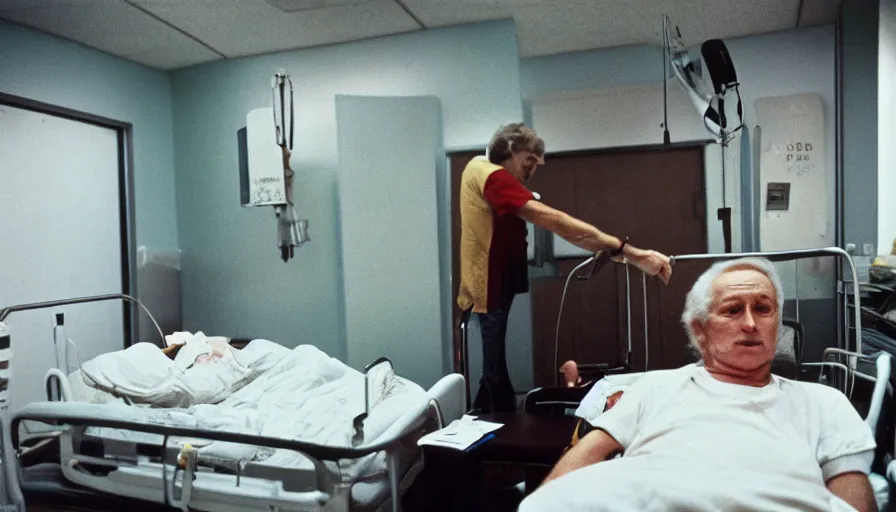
column 636, row 147
column 127, row 225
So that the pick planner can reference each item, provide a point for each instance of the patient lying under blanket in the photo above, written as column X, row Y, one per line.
column 262, row 389
column 193, row 369
column 723, row 435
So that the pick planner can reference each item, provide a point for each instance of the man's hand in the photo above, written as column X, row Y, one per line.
column 650, row 262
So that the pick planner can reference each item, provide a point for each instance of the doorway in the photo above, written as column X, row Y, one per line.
column 655, row 196
column 66, row 204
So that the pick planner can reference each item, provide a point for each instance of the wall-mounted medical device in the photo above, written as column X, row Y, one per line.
column 777, row 196
column 266, row 177
column 263, row 182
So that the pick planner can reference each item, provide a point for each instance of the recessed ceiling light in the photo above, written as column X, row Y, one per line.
column 307, row 5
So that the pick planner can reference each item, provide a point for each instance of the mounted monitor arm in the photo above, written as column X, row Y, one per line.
column 707, row 74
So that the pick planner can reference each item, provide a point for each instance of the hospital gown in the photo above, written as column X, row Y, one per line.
column 694, row 443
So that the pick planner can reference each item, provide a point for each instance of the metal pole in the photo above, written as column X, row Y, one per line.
column 628, row 316
column 646, row 337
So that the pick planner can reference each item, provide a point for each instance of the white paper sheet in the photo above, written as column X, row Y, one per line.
column 460, row 434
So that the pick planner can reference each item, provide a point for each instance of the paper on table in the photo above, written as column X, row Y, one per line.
column 460, row 434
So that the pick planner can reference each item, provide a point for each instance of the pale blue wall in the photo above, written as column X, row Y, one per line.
column 41, row 67
column 390, row 249
column 860, row 29
column 233, row 279
column 588, row 69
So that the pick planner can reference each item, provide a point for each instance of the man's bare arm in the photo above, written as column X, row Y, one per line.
column 855, row 489
column 573, row 230
column 590, row 238
column 596, row 446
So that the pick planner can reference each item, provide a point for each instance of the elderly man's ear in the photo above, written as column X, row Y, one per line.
column 699, row 333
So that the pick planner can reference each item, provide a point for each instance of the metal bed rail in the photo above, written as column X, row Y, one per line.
column 98, row 415
column 5, row 312
column 461, row 354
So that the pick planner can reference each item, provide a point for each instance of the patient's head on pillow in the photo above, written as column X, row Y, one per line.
column 733, row 316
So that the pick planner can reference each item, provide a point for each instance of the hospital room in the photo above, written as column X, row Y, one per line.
column 456, row 255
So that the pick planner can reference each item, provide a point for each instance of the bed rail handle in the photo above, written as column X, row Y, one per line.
column 358, row 422
column 55, row 376
column 187, row 461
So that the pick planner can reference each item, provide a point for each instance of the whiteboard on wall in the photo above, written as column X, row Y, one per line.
column 61, row 238
column 794, row 188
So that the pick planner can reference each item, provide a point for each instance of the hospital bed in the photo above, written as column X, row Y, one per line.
column 143, row 456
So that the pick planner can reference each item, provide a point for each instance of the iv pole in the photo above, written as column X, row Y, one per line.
column 723, row 213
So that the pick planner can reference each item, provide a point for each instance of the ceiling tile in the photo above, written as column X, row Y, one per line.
column 110, row 26
column 154, row 32
column 174, row 55
column 819, row 12
column 248, row 27
column 554, row 26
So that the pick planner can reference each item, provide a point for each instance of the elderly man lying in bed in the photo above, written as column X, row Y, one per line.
column 724, row 434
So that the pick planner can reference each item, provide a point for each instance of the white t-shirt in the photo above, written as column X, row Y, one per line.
column 694, row 443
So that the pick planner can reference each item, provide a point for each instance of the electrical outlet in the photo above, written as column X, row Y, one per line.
column 868, row 249
column 141, row 256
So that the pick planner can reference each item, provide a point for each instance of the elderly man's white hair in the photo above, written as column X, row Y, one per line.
column 699, row 298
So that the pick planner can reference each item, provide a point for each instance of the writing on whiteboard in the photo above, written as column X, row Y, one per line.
column 798, row 156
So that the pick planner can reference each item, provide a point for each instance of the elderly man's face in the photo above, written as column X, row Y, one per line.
column 741, row 330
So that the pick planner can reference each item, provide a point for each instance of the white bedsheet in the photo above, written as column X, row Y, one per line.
column 306, row 396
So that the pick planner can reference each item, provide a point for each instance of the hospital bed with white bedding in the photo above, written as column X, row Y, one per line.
column 261, row 427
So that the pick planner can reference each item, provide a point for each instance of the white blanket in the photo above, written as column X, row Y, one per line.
column 306, row 396
column 205, row 370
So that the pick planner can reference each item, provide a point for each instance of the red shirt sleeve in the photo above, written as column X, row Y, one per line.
column 504, row 193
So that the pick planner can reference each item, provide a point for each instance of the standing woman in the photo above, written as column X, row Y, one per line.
column 494, row 208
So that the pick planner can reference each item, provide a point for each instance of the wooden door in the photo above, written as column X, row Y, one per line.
column 656, row 197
